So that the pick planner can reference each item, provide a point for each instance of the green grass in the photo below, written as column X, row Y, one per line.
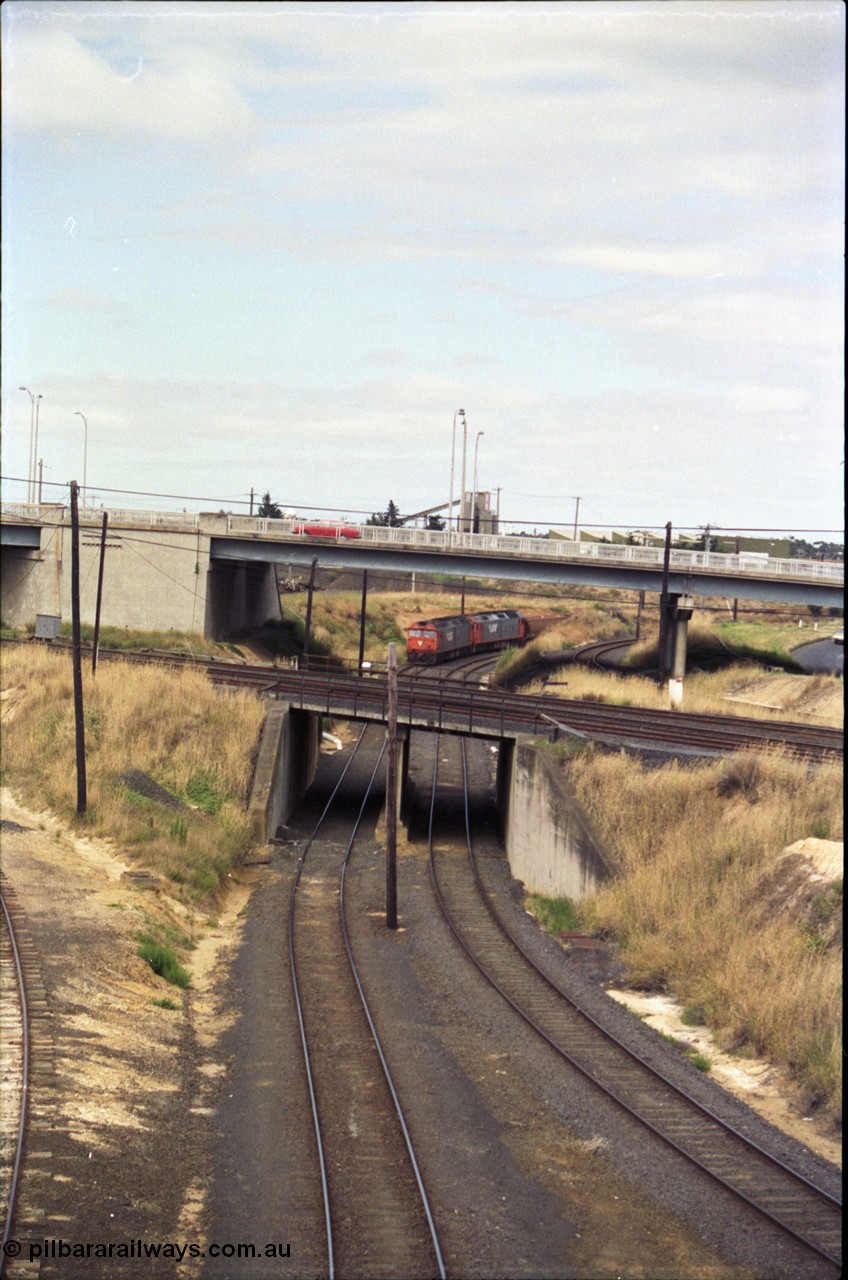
column 701, row 1061
column 164, row 962
column 555, row 915
column 124, row 638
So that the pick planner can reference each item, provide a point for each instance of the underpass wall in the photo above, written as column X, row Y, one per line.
column 549, row 841
column 285, row 767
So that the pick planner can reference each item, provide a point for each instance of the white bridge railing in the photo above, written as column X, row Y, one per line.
column 743, row 564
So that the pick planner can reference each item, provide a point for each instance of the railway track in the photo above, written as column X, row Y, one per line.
column 377, row 1215
column 771, row 1188
column 14, row 1035
column 499, row 714
column 469, row 671
column 594, row 655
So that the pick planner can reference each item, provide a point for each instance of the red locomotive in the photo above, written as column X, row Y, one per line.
column 462, row 634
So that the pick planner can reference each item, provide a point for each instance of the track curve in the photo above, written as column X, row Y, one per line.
column 772, row 1188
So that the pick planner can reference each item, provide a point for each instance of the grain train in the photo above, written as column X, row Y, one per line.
column 462, row 634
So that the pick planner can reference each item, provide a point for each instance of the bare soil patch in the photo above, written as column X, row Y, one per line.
column 817, row 699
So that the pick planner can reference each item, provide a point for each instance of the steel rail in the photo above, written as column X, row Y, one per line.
column 316, row 1123
column 371, row 1025
column 589, row 1074
column 25, row 1072
column 377, row 1042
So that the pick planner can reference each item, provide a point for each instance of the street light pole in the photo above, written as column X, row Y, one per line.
column 474, row 494
column 457, row 412
column 33, row 441
column 462, row 493
column 77, row 414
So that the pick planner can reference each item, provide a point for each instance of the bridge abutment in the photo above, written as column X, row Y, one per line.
column 285, row 767
column 549, row 842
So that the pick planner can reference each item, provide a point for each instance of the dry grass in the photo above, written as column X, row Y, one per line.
column 195, row 741
column 813, row 699
column 701, row 905
column 335, row 616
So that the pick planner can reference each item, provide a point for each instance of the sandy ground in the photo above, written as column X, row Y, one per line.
column 799, row 693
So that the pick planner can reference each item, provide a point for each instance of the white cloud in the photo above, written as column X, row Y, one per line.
column 57, row 83
column 680, row 261
column 771, row 400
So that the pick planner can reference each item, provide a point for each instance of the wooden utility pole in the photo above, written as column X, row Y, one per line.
column 96, row 644
column 391, row 794
column 77, row 648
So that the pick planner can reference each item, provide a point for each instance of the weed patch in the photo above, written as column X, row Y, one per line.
column 164, row 962
column 555, row 915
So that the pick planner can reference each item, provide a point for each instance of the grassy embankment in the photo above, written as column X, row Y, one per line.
column 336, row 624
column 751, row 650
column 196, row 742
column 706, row 908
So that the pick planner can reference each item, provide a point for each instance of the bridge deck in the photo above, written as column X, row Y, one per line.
column 553, row 560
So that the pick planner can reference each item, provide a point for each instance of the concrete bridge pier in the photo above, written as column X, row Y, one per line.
column 680, row 612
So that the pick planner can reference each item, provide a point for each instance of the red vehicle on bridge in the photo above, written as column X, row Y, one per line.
column 323, row 530
column 461, row 634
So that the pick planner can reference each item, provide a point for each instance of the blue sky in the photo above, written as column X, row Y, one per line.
column 278, row 245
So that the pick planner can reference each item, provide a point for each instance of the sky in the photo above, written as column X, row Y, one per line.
column 278, row 246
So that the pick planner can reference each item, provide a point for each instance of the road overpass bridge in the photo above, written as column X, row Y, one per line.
column 216, row 573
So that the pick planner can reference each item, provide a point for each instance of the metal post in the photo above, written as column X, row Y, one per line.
column 639, row 614
column 661, row 658
column 462, row 491
column 77, row 414
column 308, row 627
column 391, row 794
column 576, row 513
column 77, row 650
column 35, row 447
column 251, row 500
column 736, row 600
column 457, row 412
column 462, row 602
column 474, row 521
column 96, row 644
column 33, row 436
column 362, row 618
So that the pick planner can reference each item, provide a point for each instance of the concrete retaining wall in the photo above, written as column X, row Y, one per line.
column 549, row 841
column 285, row 766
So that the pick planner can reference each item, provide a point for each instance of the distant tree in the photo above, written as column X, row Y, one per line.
column 799, row 548
column 391, row 517
column 269, row 508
